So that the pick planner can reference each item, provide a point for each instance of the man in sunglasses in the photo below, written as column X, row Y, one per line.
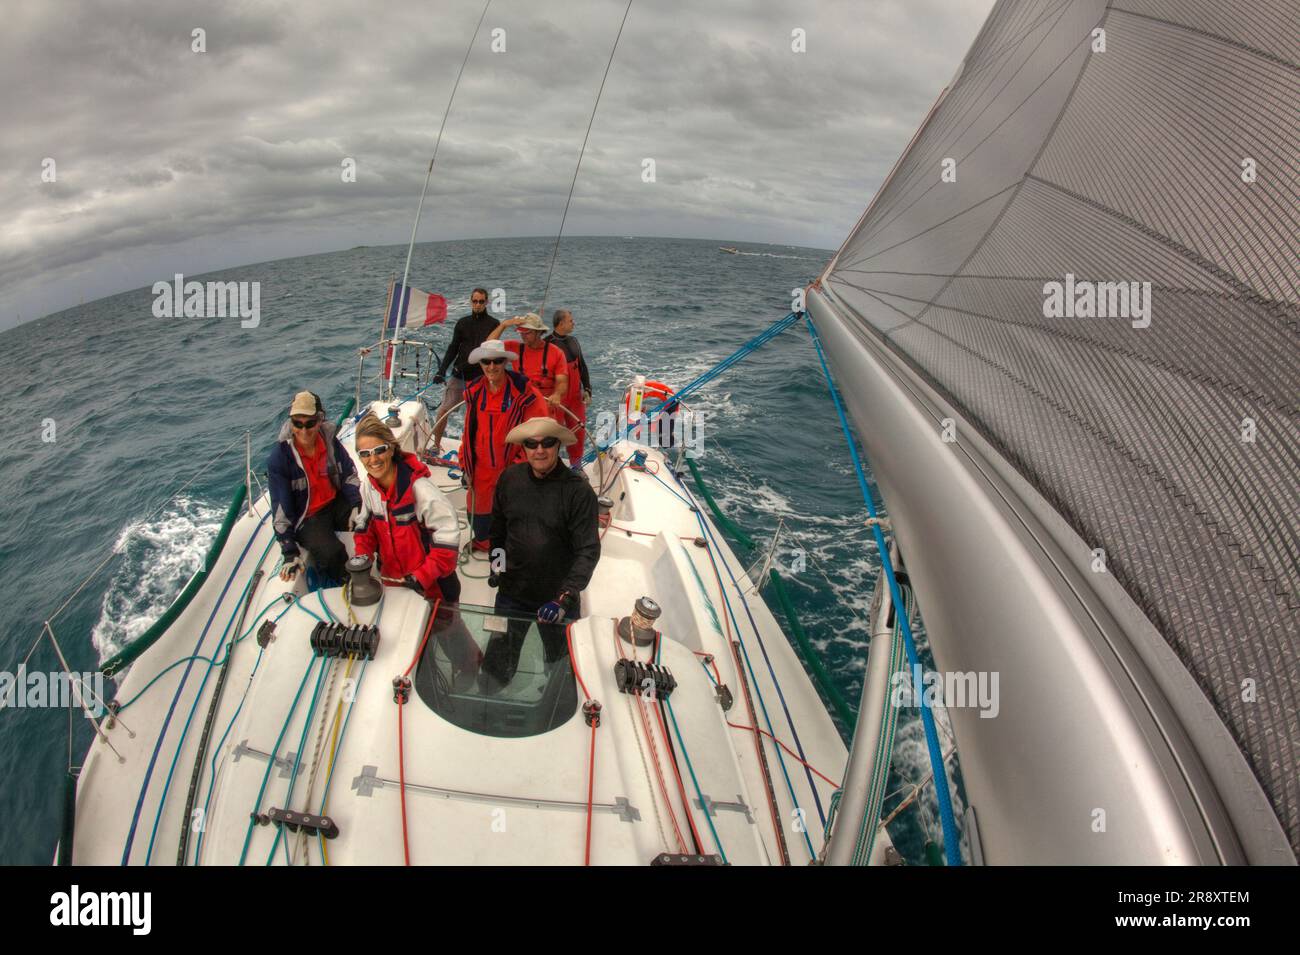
column 314, row 490
column 470, row 331
column 544, row 526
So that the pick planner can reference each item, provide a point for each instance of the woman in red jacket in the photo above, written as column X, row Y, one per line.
column 407, row 522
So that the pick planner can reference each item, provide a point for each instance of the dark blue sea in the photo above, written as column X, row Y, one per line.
column 142, row 405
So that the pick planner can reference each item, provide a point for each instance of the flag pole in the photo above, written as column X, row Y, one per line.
column 383, row 333
column 406, row 272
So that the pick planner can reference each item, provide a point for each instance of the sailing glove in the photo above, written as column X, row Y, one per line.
column 550, row 612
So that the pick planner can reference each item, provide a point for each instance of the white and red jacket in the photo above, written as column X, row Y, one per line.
column 412, row 527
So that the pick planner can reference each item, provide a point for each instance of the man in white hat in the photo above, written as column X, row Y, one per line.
column 497, row 401
column 543, row 364
column 314, row 490
column 544, row 527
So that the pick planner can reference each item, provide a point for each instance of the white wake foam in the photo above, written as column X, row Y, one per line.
column 158, row 557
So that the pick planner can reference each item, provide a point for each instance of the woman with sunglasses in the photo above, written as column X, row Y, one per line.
column 314, row 490
column 496, row 403
column 406, row 522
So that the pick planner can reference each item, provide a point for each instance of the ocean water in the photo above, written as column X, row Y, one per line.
column 138, row 407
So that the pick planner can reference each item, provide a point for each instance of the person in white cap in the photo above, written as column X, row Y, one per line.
column 314, row 490
column 495, row 403
column 543, row 364
column 544, row 528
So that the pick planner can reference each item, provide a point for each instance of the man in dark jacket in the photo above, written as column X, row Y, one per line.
column 314, row 489
column 470, row 332
column 544, row 528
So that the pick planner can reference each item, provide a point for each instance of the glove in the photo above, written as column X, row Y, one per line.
column 439, row 379
column 356, row 522
column 551, row 612
column 410, row 581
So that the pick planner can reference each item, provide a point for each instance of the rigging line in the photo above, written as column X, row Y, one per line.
column 951, row 842
column 239, row 608
column 271, row 759
column 753, row 680
column 307, row 720
column 153, row 759
column 555, row 250
column 762, row 645
column 406, row 272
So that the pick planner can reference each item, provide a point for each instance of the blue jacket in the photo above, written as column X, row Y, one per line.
column 290, row 490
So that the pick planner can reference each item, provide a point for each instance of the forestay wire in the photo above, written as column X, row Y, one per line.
column 556, row 248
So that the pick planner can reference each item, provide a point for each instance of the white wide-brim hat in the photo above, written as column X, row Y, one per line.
column 493, row 348
column 541, row 428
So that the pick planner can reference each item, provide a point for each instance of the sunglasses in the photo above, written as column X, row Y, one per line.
column 309, row 423
column 478, row 301
column 532, row 444
column 493, row 361
column 378, row 451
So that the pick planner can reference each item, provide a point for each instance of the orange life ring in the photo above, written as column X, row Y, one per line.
column 651, row 389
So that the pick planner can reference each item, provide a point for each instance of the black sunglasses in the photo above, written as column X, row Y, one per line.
column 309, row 423
column 532, row 444
column 493, row 361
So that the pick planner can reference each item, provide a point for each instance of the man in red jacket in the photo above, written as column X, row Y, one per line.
column 543, row 364
column 494, row 404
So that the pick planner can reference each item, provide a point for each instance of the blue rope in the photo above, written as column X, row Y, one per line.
column 157, row 747
column 189, row 719
column 951, row 844
column 216, row 752
column 762, row 645
column 708, row 817
column 762, row 704
column 270, row 761
column 297, row 760
column 755, row 343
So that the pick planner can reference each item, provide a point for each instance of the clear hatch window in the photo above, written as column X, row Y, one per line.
column 497, row 674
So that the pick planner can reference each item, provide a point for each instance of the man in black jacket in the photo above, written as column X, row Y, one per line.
column 544, row 530
column 470, row 331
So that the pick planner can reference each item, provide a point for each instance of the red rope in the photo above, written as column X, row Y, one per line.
column 654, row 752
column 681, row 788
column 591, row 790
column 591, row 759
column 787, row 749
column 401, row 753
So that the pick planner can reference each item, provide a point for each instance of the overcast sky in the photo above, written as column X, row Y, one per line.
column 168, row 160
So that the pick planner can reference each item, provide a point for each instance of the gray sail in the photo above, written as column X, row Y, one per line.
column 1068, row 329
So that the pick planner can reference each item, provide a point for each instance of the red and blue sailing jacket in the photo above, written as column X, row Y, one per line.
column 412, row 527
column 488, row 419
column 290, row 489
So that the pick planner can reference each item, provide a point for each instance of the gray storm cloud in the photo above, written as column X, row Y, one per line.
column 168, row 160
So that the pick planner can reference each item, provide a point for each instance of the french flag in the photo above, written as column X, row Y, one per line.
column 422, row 308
